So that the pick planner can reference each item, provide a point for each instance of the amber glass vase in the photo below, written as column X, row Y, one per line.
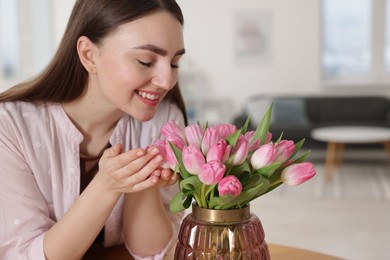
column 221, row 234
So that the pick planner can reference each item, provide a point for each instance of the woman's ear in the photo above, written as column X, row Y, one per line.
column 86, row 50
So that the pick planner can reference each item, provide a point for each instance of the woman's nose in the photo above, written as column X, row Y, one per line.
column 165, row 78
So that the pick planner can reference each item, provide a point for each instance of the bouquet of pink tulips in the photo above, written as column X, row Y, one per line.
column 222, row 167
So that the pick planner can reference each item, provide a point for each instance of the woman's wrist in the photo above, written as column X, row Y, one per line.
column 147, row 226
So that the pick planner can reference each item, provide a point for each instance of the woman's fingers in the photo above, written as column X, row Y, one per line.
column 137, row 169
column 133, row 169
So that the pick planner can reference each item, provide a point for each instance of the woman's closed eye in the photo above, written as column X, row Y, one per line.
column 150, row 64
column 146, row 64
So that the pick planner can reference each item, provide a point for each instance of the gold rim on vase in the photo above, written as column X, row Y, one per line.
column 220, row 216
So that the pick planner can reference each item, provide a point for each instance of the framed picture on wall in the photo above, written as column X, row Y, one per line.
column 253, row 43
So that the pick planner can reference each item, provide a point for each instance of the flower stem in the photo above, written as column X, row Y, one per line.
column 198, row 200
column 275, row 183
column 212, row 194
column 203, row 196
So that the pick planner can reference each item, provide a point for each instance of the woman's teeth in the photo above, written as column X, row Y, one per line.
column 147, row 95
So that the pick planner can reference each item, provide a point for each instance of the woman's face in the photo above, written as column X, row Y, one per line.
column 137, row 64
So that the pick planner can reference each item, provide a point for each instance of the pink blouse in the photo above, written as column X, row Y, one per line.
column 40, row 173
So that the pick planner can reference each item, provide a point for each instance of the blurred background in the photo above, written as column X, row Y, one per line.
column 244, row 51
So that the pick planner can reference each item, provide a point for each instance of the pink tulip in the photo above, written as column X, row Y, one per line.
column 210, row 137
column 212, row 172
column 170, row 156
column 229, row 185
column 194, row 134
column 193, row 159
column 268, row 138
column 284, row 150
column 298, row 173
column 160, row 145
column 253, row 144
column 240, row 151
column 171, row 127
column 225, row 130
column 177, row 140
column 263, row 156
column 219, row 151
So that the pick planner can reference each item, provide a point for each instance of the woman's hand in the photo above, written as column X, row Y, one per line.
column 134, row 170
column 166, row 177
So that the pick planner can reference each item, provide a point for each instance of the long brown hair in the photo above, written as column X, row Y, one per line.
column 65, row 79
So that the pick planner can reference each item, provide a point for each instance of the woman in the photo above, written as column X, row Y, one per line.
column 74, row 166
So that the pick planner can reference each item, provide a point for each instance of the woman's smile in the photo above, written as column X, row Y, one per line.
column 148, row 97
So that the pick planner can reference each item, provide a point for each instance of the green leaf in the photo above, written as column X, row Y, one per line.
column 244, row 167
column 270, row 188
column 259, row 190
column 232, row 139
column 191, row 183
column 228, row 202
column 244, row 128
column 176, row 203
column 178, row 154
column 275, row 177
column 187, row 202
column 218, row 202
column 263, row 127
column 298, row 147
column 301, row 158
column 209, row 188
column 280, row 138
column 255, row 180
column 244, row 178
column 268, row 170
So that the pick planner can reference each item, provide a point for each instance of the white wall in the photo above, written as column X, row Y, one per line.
column 209, row 69
column 295, row 52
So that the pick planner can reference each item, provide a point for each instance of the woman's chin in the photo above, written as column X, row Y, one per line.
column 143, row 117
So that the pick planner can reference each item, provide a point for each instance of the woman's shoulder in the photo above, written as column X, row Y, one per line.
column 22, row 106
column 25, row 110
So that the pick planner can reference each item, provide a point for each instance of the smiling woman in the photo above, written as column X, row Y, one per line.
column 77, row 165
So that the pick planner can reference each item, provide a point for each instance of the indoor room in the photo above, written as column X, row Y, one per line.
column 323, row 65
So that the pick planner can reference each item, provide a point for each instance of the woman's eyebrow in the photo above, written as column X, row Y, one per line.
column 158, row 50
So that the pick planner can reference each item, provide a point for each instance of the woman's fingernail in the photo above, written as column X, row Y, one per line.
column 154, row 151
column 140, row 153
column 157, row 159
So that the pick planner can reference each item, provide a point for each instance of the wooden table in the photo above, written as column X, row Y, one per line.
column 338, row 136
column 278, row 252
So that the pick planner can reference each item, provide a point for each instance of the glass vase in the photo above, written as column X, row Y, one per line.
column 221, row 234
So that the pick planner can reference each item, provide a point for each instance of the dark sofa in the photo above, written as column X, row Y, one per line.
column 297, row 116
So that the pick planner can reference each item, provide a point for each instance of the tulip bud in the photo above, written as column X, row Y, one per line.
column 194, row 134
column 268, row 138
column 219, row 151
column 298, row 173
column 263, row 156
column 177, row 140
column 171, row 158
column 225, row 130
column 193, row 159
column 229, row 185
column 284, row 150
column 210, row 137
column 160, row 145
column 253, row 143
column 171, row 127
column 212, row 172
column 240, row 151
